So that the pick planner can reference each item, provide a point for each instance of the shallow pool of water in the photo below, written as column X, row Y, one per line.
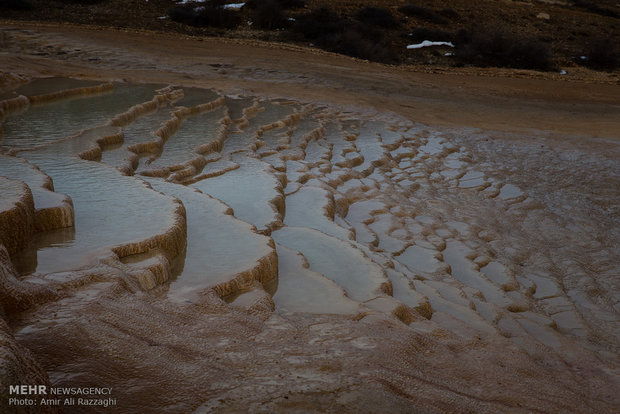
column 49, row 122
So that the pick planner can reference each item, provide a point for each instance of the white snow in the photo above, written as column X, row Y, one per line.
column 233, row 6
column 428, row 43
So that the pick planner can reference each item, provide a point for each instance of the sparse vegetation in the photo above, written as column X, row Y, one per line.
column 84, row 1
column 602, row 54
column 335, row 33
column 423, row 33
column 595, row 8
column 269, row 15
column 450, row 13
column 284, row 4
column 494, row 48
column 353, row 42
column 202, row 16
column 16, row 5
column 377, row 16
column 317, row 23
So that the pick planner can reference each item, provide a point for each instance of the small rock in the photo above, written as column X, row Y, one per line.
column 543, row 16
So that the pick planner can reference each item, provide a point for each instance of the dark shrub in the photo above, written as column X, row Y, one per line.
column 450, row 13
column 422, row 33
column 334, row 33
column 319, row 22
column 84, row 1
column 284, row 4
column 213, row 16
column 292, row 4
column 352, row 42
column 16, row 5
column 215, row 3
column 595, row 8
column 424, row 13
column 184, row 15
column 602, row 54
column 268, row 14
column 500, row 49
column 377, row 16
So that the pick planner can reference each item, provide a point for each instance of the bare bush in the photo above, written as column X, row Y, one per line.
column 212, row 16
column 284, row 4
column 595, row 8
column 377, row 16
column 269, row 14
column 450, row 13
column 423, row 13
column 501, row 49
column 16, row 5
column 423, row 33
column 602, row 54
column 319, row 22
column 352, row 42
column 335, row 33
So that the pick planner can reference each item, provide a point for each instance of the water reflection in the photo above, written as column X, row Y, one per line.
column 26, row 260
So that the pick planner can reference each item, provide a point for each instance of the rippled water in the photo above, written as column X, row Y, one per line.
column 494, row 233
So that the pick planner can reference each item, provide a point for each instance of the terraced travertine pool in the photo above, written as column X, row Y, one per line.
column 325, row 211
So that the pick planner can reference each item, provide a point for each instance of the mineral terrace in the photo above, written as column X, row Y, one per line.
column 220, row 226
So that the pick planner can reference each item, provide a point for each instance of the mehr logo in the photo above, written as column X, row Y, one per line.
column 27, row 389
column 42, row 395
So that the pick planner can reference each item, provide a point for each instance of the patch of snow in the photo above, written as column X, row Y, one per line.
column 563, row 72
column 428, row 43
column 449, row 54
column 234, row 6
column 583, row 57
column 191, row 1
